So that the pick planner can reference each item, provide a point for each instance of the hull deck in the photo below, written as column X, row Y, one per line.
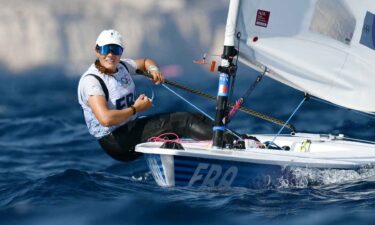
column 201, row 165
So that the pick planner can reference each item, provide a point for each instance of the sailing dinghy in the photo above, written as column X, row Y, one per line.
column 325, row 48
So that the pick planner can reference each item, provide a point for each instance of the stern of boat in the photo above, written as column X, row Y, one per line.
column 162, row 169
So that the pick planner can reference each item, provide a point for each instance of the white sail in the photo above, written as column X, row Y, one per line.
column 323, row 47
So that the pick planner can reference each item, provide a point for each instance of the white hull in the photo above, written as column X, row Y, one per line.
column 200, row 165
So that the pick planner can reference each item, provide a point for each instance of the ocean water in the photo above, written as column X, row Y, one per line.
column 53, row 172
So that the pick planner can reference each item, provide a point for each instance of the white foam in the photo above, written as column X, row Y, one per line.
column 305, row 177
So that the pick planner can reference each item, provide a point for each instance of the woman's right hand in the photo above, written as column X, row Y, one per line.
column 142, row 103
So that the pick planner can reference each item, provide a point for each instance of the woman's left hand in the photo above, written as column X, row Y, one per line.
column 157, row 77
column 151, row 68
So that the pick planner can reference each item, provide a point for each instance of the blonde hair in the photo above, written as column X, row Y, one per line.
column 102, row 69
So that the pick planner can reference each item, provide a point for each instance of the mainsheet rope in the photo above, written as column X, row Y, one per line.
column 197, row 108
column 290, row 117
column 246, row 95
column 230, row 104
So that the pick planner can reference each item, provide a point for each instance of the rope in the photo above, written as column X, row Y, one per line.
column 246, row 95
column 235, row 108
column 164, row 138
column 187, row 101
column 256, row 82
column 197, row 108
column 241, row 108
column 294, row 112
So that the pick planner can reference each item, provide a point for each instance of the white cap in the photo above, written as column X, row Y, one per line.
column 109, row 37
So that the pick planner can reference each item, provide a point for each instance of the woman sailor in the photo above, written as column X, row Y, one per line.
column 106, row 95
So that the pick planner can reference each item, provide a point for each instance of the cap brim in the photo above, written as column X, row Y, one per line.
column 109, row 43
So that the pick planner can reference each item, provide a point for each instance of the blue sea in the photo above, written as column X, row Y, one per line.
column 53, row 172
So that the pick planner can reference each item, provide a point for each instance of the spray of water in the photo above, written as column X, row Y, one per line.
column 306, row 177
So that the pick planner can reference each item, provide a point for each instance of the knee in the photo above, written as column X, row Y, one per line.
column 117, row 151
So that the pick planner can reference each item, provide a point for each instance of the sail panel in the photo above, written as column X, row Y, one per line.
column 333, row 19
column 368, row 33
column 314, row 46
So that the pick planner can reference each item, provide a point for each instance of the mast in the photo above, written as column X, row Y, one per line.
column 227, row 70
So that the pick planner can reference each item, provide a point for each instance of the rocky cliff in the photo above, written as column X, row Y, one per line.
column 61, row 34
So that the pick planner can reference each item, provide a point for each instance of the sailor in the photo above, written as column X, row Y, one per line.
column 107, row 97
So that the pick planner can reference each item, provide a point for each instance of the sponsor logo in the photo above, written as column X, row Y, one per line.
column 223, row 85
column 262, row 18
column 124, row 81
column 213, row 175
column 223, row 89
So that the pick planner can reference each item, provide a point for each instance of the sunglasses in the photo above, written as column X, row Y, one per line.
column 106, row 49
